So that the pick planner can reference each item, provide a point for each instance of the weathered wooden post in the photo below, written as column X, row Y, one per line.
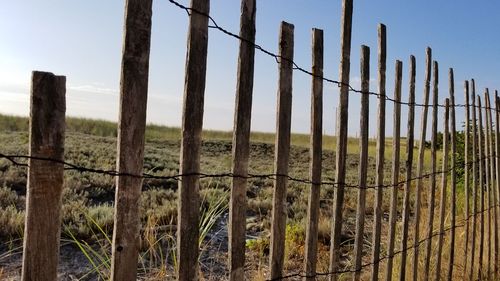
column 377, row 209
column 408, row 165
column 282, row 150
column 421, row 158
column 341, row 130
column 363, row 160
column 453, row 139
column 316, row 143
column 241, row 142
column 475, row 156
column 481, row 187
column 396, row 147
column 467, row 165
column 493, row 255
column 131, row 130
column 497, row 174
column 489, row 177
column 45, row 178
column 487, row 164
column 192, row 124
column 444, row 185
column 432, row 188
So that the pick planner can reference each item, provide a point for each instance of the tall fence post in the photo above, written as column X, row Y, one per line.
column 395, row 168
column 497, row 173
column 453, row 179
column 475, row 162
column 363, row 160
column 481, row 187
column 342, row 120
column 45, row 178
column 489, row 177
column 409, row 166
column 492, row 188
column 316, row 143
column 444, row 185
column 192, row 124
column 131, row 130
column 377, row 209
column 432, row 188
column 241, row 142
column 467, row 165
column 421, row 158
column 282, row 150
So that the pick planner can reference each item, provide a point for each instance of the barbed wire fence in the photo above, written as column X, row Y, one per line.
column 47, row 157
column 214, row 25
column 178, row 177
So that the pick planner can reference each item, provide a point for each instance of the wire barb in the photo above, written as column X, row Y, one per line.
column 178, row 177
column 214, row 25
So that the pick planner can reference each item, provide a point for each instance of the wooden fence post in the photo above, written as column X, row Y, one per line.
column 363, row 160
column 475, row 162
column 342, row 120
column 282, row 151
column 409, row 166
column 45, row 178
column 453, row 139
column 131, row 130
column 192, row 124
column 432, row 188
column 481, row 187
column 444, row 184
column 466, row 173
column 395, row 168
column 488, row 164
column 377, row 209
column 316, row 144
column 493, row 240
column 241, row 142
column 497, row 173
column 421, row 158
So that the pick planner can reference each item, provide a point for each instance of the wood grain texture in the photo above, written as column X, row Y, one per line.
column 487, row 182
column 341, row 130
column 410, row 136
column 363, row 160
column 131, row 129
column 282, row 151
column 497, row 178
column 453, row 141
column 444, row 185
column 467, row 166
column 490, row 168
column 493, row 190
column 420, row 165
column 379, row 165
column 241, row 142
column 396, row 147
column 475, row 179
column 192, row 124
column 432, row 187
column 316, row 150
column 45, row 178
column 481, row 188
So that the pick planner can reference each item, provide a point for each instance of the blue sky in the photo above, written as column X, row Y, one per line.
column 83, row 40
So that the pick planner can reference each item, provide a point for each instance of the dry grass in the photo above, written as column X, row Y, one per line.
column 88, row 195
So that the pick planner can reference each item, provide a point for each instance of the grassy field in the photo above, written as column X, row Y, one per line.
column 88, row 198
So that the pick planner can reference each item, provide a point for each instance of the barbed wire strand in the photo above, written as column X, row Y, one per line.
column 461, row 224
column 13, row 159
column 178, row 177
column 215, row 25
